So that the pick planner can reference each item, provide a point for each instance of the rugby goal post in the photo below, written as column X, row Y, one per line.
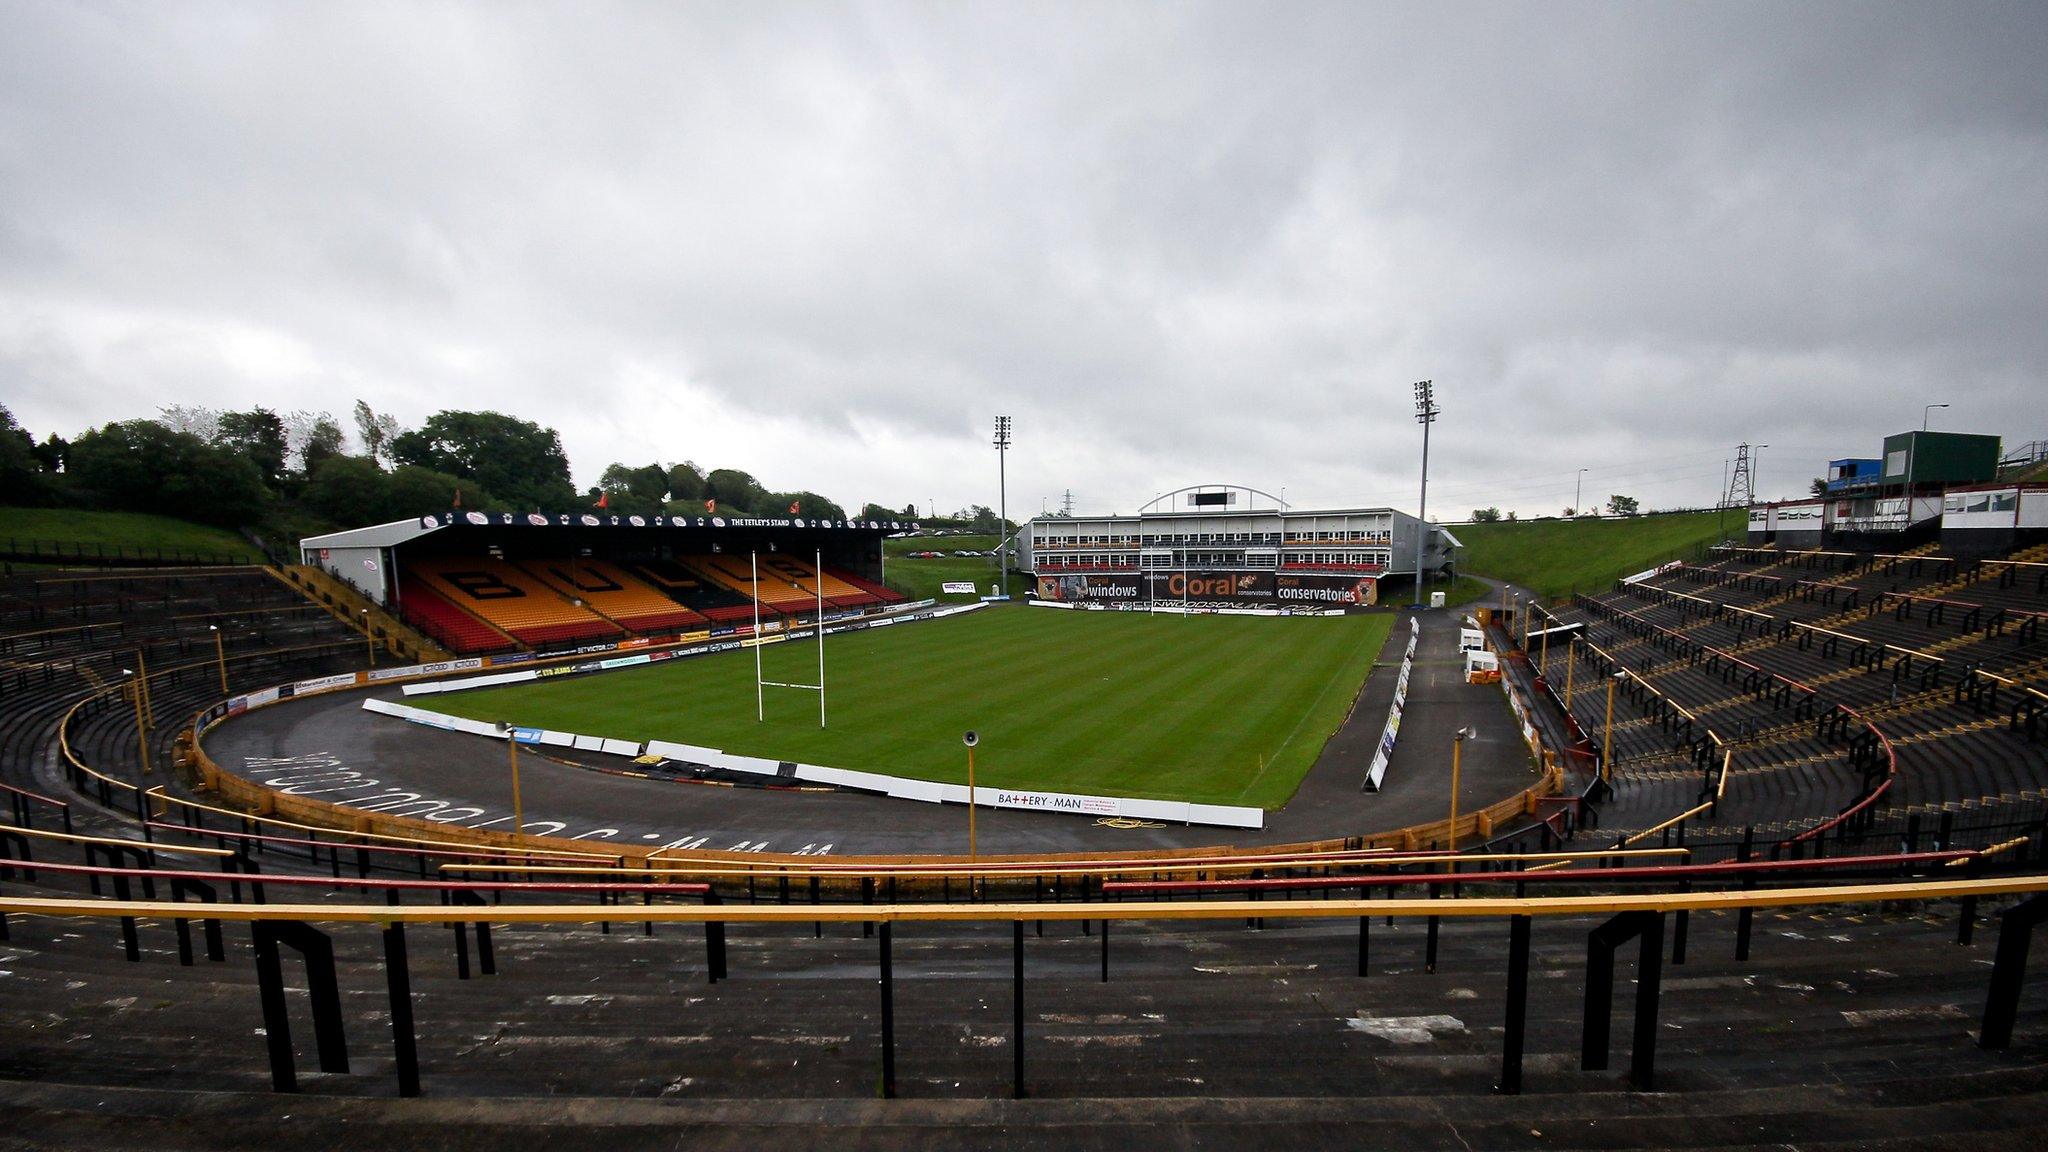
column 818, row 625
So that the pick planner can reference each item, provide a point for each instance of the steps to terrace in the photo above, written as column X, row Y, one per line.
column 360, row 612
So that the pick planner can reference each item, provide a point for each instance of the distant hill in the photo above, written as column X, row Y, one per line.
column 1554, row 556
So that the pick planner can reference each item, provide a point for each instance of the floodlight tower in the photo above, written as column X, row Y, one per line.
column 1003, row 501
column 1425, row 415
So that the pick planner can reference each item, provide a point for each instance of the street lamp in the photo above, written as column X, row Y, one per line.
column 1002, row 444
column 1426, row 413
column 1579, row 493
column 142, row 685
column 1571, row 667
column 512, row 761
column 220, row 656
column 1458, row 739
column 1926, row 411
column 141, row 737
column 971, row 739
column 1607, row 740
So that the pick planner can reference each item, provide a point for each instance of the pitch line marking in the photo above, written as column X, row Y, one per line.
column 1307, row 712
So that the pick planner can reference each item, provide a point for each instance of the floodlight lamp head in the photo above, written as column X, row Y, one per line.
column 971, row 739
column 1462, row 734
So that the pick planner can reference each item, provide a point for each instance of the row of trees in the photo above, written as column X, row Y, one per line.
column 688, row 488
column 235, row 469
column 1616, row 506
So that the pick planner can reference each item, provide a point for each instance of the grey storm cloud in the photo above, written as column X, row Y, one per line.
column 1179, row 243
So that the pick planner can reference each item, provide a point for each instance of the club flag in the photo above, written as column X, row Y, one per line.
column 793, row 507
column 711, row 506
column 604, row 499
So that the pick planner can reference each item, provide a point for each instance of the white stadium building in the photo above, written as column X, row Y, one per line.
column 1230, row 545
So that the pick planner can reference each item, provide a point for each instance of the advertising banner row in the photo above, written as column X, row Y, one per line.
column 900, row 787
column 1258, row 589
column 1378, row 771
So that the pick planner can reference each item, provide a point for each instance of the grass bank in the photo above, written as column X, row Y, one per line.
column 120, row 533
column 1555, row 556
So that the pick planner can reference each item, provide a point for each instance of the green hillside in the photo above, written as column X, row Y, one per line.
column 920, row 579
column 1555, row 556
column 128, row 532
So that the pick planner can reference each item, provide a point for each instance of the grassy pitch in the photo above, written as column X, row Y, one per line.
column 1213, row 709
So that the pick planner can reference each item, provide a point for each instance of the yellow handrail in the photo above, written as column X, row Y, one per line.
column 1681, row 818
column 141, row 845
column 1464, row 906
column 1051, row 868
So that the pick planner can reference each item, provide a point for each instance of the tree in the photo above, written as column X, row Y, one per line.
column 1485, row 515
column 259, row 436
column 874, row 511
column 416, row 491
column 191, row 419
column 520, row 461
column 347, row 489
column 810, row 505
column 1819, row 487
column 686, row 484
column 143, row 466
column 737, row 491
column 377, row 432
column 910, row 511
column 310, row 438
column 629, row 490
column 52, row 452
column 1623, row 505
column 21, row 472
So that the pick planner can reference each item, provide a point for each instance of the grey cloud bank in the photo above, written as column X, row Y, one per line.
column 1178, row 242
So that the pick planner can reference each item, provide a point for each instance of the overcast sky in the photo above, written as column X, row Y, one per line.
column 1181, row 243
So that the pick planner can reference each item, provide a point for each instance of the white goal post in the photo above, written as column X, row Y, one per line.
column 818, row 625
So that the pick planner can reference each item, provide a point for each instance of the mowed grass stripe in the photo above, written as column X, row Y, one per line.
column 1222, row 710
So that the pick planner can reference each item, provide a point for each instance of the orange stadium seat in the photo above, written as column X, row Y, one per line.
column 434, row 615
column 695, row 591
column 782, row 585
column 615, row 593
column 511, row 599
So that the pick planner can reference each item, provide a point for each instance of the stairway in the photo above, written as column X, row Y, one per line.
column 349, row 606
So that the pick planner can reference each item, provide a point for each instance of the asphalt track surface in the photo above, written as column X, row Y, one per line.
column 328, row 747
